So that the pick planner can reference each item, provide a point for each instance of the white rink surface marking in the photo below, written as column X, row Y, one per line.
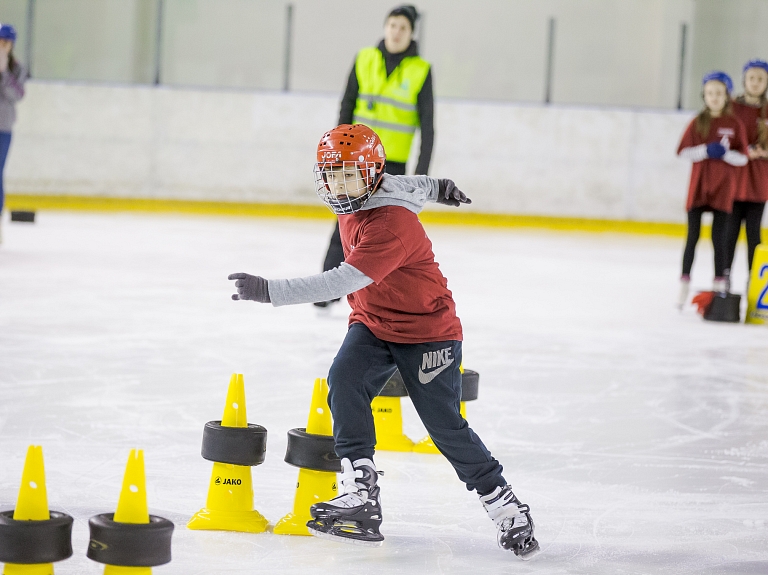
column 638, row 435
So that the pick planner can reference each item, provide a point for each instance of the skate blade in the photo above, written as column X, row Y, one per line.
column 348, row 540
column 531, row 553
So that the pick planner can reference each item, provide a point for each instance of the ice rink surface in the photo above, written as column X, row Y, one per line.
column 637, row 434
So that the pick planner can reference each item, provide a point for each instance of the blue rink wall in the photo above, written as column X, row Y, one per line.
column 98, row 141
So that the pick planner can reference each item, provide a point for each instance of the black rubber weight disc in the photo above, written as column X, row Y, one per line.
column 45, row 541
column 19, row 216
column 724, row 307
column 130, row 544
column 394, row 387
column 236, row 445
column 470, row 383
column 310, row 451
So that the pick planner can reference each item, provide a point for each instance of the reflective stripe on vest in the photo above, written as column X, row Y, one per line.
column 388, row 104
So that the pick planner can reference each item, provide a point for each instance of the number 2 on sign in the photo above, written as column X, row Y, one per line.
column 762, row 299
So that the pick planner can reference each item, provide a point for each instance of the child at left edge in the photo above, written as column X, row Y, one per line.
column 403, row 317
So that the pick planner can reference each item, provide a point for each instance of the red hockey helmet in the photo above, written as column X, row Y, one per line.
column 350, row 163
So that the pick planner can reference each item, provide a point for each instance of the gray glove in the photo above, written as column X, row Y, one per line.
column 250, row 287
column 450, row 195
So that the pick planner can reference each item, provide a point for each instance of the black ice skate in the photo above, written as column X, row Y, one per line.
column 513, row 520
column 355, row 515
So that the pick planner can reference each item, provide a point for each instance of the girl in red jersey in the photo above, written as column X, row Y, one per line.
column 403, row 317
column 715, row 141
column 752, row 109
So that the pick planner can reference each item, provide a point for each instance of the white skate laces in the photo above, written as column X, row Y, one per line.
column 355, row 515
column 504, row 509
column 513, row 521
column 353, row 494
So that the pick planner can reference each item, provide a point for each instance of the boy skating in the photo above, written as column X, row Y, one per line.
column 403, row 316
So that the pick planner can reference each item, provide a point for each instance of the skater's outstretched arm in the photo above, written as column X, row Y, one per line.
column 413, row 192
column 326, row 286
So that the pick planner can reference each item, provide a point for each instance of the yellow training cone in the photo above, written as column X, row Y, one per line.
column 388, row 416
column 132, row 506
column 311, row 450
column 388, row 419
column 130, row 541
column 757, row 297
column 229, row 506
column 32, row 505
column 319, row 422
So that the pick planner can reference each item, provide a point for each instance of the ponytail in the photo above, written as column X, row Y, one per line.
column 703, row 123
column 13, row 65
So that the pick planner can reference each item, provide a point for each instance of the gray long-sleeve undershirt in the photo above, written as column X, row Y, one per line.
column 409, row 192
column 332, row 284
column 699, row 154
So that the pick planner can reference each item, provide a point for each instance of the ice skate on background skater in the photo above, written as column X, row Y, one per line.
column 403, row 317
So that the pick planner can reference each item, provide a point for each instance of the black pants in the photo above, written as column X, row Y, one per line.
column 431, row 375
column 335, row 254
column 719, row 225
column 751, row 213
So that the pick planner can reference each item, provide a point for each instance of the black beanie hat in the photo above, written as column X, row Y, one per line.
column 408, row 11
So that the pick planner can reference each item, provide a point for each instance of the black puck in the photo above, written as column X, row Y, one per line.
column 22, row 216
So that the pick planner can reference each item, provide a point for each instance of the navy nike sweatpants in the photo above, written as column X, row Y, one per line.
column 431, row 375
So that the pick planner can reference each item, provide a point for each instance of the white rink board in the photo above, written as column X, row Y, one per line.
column 636, row 433
column 185, row 143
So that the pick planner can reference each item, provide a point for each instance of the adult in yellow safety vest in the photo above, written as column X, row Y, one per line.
column 390, row 90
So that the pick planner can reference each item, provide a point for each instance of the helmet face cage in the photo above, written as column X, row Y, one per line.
column 345, row 186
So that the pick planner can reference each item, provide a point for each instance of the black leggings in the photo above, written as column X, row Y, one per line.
column 719, row 225
column 752, row 214
column 335, row 254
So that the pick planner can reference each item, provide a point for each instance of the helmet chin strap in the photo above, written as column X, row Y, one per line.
column 377, row 182
column 349, row 206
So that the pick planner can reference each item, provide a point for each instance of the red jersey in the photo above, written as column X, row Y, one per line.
column 409, row 301
column 714, row 183
column 755, row 188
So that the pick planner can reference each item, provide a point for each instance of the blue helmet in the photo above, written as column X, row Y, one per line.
column 8, row 32
column 720, row 77
column 755, row 64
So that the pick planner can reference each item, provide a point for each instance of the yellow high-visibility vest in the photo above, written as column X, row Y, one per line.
column 388, row 105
